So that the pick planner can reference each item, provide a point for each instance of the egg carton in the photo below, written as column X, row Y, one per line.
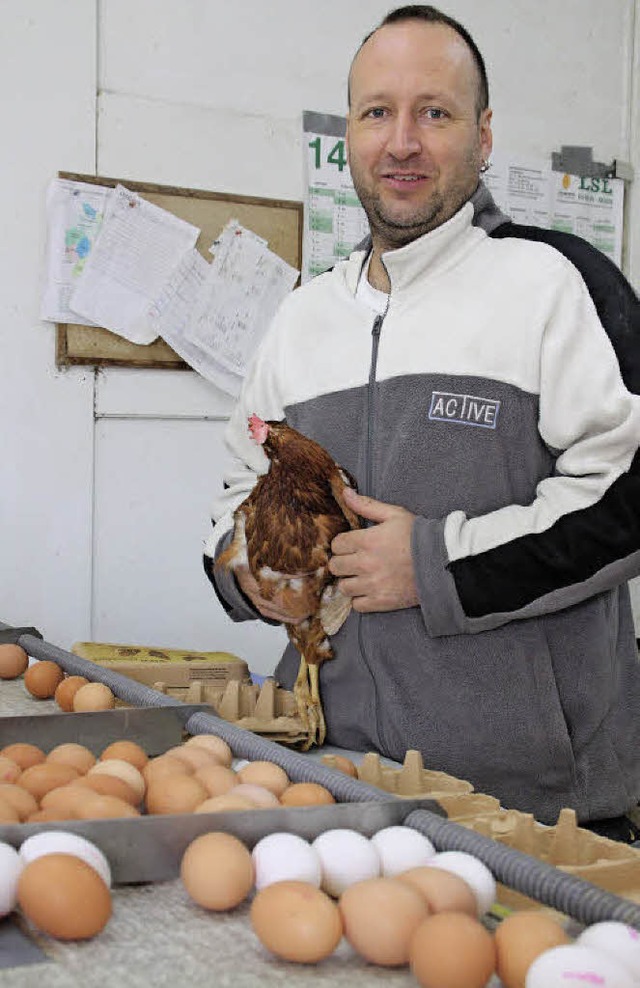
column 609, row 864
column 265, row 709
column 412, row 781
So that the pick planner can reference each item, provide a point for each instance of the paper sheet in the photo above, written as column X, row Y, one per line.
column 532, row 193
column 74, row 216
column 139, row 246
column 170, row 317
column 243, row 288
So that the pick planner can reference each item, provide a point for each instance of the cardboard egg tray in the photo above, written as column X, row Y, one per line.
column 149, row 848
column 608, row 864
column 267, row 710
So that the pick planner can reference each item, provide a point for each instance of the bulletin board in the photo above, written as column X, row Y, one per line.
column 279, row 221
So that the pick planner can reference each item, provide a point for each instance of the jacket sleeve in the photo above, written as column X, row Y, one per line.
column 259, row 394
column 581, row 534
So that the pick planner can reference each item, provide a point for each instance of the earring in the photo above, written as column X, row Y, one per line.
column 485, row 166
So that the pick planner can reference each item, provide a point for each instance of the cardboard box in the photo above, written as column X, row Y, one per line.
column 175, row 667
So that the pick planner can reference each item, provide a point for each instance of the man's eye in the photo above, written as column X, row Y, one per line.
column 376, row 112
column 434, row 113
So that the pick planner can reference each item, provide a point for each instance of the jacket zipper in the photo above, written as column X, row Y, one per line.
column 375, row 343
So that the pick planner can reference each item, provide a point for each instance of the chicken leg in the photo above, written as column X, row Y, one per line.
column 306, row 690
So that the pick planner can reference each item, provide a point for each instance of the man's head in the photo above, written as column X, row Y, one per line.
column 419, row 126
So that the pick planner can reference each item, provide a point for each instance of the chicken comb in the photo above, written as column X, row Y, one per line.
column 258, row 428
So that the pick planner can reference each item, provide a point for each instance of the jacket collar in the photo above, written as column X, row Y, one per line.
column 485, row 215
column 428, row 254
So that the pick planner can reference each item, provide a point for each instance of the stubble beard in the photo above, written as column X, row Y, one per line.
column 390, row 231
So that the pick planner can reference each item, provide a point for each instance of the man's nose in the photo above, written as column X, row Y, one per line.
column 404, row 137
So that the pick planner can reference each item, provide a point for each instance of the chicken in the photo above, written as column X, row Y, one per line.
column 283, row 533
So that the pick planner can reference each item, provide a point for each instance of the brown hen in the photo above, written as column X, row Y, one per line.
column 283, row 533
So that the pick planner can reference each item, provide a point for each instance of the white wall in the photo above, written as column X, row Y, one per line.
column 107, row 479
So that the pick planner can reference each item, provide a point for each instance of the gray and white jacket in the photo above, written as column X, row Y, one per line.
column 489, row 401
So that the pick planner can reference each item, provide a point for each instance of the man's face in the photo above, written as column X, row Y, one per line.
column 415, row 144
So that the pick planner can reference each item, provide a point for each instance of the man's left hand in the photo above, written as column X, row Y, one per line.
column 374, row 565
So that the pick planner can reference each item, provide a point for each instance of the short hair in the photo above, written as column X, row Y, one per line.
column 431, row 15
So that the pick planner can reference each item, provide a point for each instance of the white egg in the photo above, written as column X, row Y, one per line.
column 401, row 848
column 345, row 857
column 63, row 842
column 11, row 865
column 574, row 966
column 285, row 857
column 473, row 872
column 620, row 941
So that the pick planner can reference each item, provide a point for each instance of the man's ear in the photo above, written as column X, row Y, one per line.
column 486, row 135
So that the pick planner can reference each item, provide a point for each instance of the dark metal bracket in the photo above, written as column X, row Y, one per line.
column 578, row 160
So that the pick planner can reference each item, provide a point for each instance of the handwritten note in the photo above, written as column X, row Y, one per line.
column 139, row 246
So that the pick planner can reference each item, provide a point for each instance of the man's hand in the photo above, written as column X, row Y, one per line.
column 273, row 609
column 374, row 565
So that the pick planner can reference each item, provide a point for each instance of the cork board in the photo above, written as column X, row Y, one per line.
column 278, row 221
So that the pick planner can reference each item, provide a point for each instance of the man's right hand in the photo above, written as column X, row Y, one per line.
column 273, row 609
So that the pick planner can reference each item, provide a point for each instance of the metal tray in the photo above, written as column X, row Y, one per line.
column 150, row 848
column 154, row 728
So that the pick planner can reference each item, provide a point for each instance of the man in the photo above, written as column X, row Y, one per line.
column 460, row 372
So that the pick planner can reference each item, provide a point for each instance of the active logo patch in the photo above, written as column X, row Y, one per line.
column 464, row 409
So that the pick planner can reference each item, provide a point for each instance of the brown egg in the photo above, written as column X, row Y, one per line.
column 258, row 795
column 296, row 922
column 64, row 897
column 66, row 691
column 93, row 696
column 19, row 798
column 39, row 779
column 519, row 939
column 122, row 770
column 44, row 816
column 126, row 751
column 164, row 766
column 175, row 794
column 380, row 916
column 215, row 745
column 217, row 779
column 265, row 774
column 24, row 755
column 196, row 757
column 13, row 661
column 444, row 892
column 9, row 771
column 66, row 800
column 452, row 950
column 42, row 679
column 109, row 785
column 72, row 754
column 227, row 803
column 217, row 871
column 341, row 763
column 8, row 812
column 106, row 807
column 306, row 794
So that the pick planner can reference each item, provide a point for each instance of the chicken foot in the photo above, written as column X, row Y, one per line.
column 306, row 690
